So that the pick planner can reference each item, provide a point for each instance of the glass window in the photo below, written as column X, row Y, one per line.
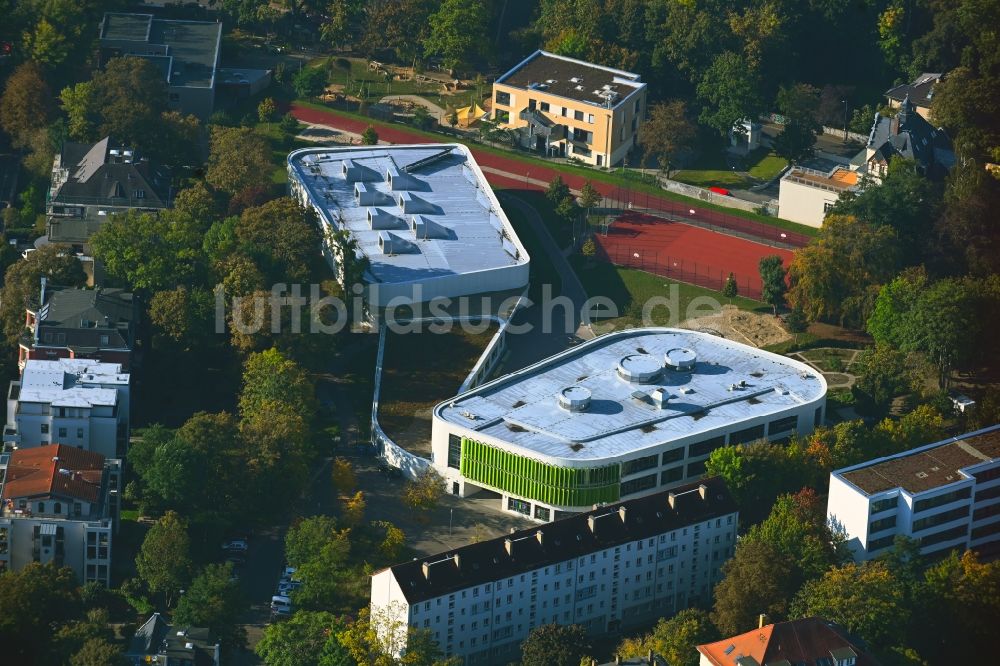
column 454, row 451
column 542, row 513
column 519, row 505
column 747, row 434
column 706, row 447
column 671, row 475
column 503, row 98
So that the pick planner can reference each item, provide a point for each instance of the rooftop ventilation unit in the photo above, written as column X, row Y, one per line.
column 577, row 79
column 574, row 398
column 681, row 359
column 639, row 368
column 660, row 397
column 379, row 219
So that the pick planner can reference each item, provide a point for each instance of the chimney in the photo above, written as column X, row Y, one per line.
column 702, row 490
column 761, row 620
column 458, row 561
column 649, row 658
column 618, row 660
column 672, row 500
column 539, row 536
column 621, row 514
column 592, row 524
column 593, row 662
column 427, row 570
column 508, row 545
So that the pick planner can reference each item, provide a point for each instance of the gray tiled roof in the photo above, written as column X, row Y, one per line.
column 909, row 135
column 95, row 178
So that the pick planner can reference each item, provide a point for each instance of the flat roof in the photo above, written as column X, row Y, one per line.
column 571, row 78
column 65, row 382
column 191, row 47
column 729, row 383
column 840, row 178
column 417, row 211
column 536, row 547
column 927, row 467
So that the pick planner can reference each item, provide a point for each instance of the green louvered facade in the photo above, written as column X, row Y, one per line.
column 524, row 477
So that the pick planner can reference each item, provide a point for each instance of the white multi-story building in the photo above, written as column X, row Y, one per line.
column 608, row 569
column 59, row 505
column 946, row 495
column 626, row 414
column 78, row 402
column 424, row 217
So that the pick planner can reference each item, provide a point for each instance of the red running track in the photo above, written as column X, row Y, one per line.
column 518, row 169
column 686, row 253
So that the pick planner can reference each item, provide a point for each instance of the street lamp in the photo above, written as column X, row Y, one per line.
column 844, row 101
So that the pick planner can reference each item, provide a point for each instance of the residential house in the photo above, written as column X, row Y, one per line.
column 93, row 181
column 68, row 322
column 565, row 107
column 946, row 495
column 805, row 195
column 59, row 505
column 920, row 93
column 77, row 402
column 810, row 641
column 156, row 642
column 910, row 136
column 612, row 568
column 186, row 52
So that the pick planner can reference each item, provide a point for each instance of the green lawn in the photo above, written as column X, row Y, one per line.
column 629, row 289
column 769, row 166
column 420, row 370
column 714, row 171
column 613, row 177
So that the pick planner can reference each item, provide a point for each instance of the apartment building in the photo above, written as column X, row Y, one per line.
column 69, row 322
column 59, row 505
column 608, row 569
column 564, row 107
column 629, row 413
column 77, row 402
column 946, row 495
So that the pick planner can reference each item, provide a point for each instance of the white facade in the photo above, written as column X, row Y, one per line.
column 424, row 217
column 655, row 432
column 946, row 495
column 805, row 196
column 615, row 580
column 77, row 402
column 61, row 528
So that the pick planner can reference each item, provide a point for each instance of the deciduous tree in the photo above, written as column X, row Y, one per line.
column 22, row 284
column 555, row 645
column 307, row 638
column 674, row 639
column 214, row 600
column 773, row 281
column 369, row 137
column 757, row 579
column 239, row 158
column 425, row 491
column 26, row 105
column 458, row 32
column 164, row 560
column 864, row 598
column 729, row 91
column 666, row 133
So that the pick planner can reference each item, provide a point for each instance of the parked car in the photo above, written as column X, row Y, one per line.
column 286, row 587
column 288, row 572
column 281, row 605
column 721, row 190
column 235, row 545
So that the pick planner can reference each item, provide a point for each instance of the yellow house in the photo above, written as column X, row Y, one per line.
column 565, row 107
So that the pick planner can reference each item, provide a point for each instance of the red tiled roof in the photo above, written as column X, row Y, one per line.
column 795, row 642
column 55, row 470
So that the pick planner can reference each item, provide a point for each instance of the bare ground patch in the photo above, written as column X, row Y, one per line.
column 759, row 330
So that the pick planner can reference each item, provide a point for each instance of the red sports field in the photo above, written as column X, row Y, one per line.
column 685, row 252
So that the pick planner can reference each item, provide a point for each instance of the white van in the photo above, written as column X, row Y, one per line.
column 281, row 605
